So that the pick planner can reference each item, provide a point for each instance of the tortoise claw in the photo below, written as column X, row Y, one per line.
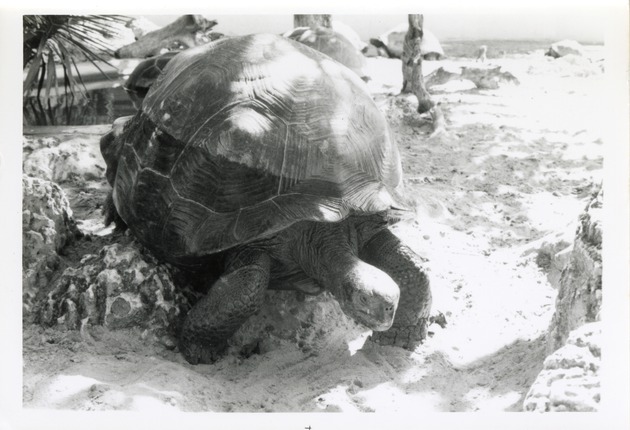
column 386, row 251
column 408, row 337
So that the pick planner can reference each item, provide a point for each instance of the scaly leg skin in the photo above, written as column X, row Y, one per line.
column 385, row 251
column 232, row 299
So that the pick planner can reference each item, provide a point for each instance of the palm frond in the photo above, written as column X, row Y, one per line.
column 52, row 40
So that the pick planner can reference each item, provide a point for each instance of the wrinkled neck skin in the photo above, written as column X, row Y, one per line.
column 324, row 251
column 328, row 253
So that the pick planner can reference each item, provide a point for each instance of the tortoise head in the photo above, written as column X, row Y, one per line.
column 369, row 296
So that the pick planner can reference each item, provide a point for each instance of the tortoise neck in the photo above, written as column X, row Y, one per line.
column 326, row 252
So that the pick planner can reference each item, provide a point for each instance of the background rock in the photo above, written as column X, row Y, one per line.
column 565, row 47
column 59, row 159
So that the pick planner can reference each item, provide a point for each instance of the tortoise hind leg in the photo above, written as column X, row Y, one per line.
column 232, row 299
column 110, row 214
column 385, row 251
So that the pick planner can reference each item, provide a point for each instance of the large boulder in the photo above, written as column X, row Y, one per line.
column 47, row 227
column 580, row 294
column 570, row 379
column 119, row 287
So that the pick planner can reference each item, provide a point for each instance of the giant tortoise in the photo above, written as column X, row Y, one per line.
column 333, row 44
column 268, row 161
column 392, row 42
column 144, row 75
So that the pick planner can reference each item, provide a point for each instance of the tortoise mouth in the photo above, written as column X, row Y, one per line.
column 373, row 322
column 370, row 297
column 375, row 313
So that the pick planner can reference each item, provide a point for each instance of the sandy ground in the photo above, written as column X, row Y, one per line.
column 513, row 171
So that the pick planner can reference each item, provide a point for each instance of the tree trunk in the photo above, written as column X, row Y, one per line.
column 312, row 21
column 413, row 81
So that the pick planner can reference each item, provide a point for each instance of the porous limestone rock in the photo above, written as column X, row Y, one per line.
column 570, row 379
column 47, row 227
column 120, row 287
column 580, row 294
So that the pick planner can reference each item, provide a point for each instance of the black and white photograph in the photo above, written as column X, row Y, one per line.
column 393, row 215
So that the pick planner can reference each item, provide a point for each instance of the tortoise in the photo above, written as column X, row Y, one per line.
column 144, row 75
column 269, row 162
column 348, row 32
column 332, row 43
column 392, row 42
column 146, row 72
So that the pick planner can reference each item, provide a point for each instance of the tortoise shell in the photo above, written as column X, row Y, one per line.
column 241, row 138
column 333, row 44
column 144, row 75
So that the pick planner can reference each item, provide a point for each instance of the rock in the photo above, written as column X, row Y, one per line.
column 59, row 159
column 120, row 287
column 482, row 77
column 311, row 322
column 47, row 227
column 565, row 47
column 570, row 379
column 580, row 293
column 552, row 258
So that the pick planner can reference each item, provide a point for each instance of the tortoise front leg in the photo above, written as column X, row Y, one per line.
column 385, row 251
column 232, row 299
